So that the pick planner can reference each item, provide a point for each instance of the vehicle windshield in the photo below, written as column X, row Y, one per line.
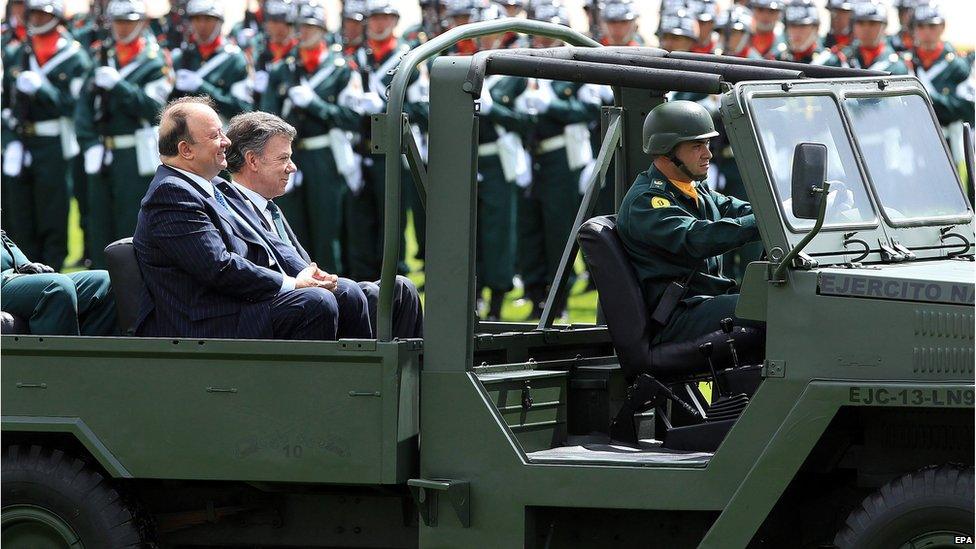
column 784, row 122
column 905, row 158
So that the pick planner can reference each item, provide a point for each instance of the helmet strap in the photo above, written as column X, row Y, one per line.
column 43, row 29
column 136, row 32
column 684, row 167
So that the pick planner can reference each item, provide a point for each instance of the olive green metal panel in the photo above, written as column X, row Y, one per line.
column 73, row 426
column 226, row 410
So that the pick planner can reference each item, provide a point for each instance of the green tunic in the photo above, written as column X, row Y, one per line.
column 888, row 60
column 668, row 235
column 224, row 80
column 949, row 86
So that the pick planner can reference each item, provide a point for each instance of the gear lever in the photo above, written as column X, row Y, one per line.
column 727, row 328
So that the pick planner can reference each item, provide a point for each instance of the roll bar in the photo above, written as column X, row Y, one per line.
column 390, row 126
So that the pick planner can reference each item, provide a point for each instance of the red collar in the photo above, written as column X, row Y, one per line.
column 127, row 52
column 45, row 46
column 763, row 41
column 704, row 48
column 381, row 49
column 466, row 47
column 310, row 57
column 206, row 50
column 929, row 57
column 20, row 31
column 278, row 51
column 843, row 40
column 869, row 55
column 805, row 54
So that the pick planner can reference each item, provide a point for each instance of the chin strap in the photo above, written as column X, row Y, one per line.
column 684, row 168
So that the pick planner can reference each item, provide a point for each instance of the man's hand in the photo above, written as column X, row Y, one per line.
column 313, row 277
column 35, row 268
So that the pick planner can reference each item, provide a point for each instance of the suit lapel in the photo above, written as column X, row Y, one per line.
column 222, row 213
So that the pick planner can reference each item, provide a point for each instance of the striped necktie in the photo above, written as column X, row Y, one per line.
column 279, row 223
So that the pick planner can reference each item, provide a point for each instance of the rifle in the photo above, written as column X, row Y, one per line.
column 102, row 102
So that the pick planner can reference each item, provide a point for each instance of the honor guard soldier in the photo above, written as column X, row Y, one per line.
column 735, row 31
column 678, row 30
column 115, row 118
column 620, row 21
column 903, row 40
column 766, row 38
column 705, row 12
column 870, row 49
column 675, row 229
column 513, row 8
column 946, row 75
column 502, row 165
column 207, row 65
column 41, row 85
column 14, row 28
column 802, row 45
column 841, row 16
column 429, row 25
column 462, row 12
column 247, row 33
column 560, row 148
column 364, row 214
column 353, row 30
column 277, row 42
column 316, row 90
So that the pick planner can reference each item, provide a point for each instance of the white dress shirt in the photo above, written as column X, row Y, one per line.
column 260, row 202
column 288, row 282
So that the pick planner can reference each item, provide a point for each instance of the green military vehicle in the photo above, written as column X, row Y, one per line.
column 855, row 429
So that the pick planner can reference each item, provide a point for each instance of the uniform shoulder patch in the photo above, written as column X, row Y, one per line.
column 659, row 202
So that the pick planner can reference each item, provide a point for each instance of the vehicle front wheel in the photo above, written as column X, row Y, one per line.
column 54, row 500
column 932, row 507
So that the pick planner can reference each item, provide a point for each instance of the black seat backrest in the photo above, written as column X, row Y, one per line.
column 621, row 298
column 126, row 282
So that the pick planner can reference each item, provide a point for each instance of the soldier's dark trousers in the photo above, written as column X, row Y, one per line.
column 545, row 218
column 114, row 196
column 38, row 208
column 79, row 182
column 79, row 303
column 314, row 210
column 364, row 222
column 496, row 226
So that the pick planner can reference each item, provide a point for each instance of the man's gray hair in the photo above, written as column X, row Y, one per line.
column 251, row 131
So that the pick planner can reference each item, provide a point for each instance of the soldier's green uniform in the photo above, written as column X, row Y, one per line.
column 113, row 122
column 12, row 35
column 37, row 199
column 856, row 56
column 323, row 144
column 79, row 303
column 947, row 79
column 364, row 209
column 222, row 74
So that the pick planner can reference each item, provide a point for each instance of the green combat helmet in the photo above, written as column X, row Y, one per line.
column 676, row 122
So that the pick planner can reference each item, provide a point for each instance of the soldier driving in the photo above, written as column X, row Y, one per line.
column 675, row 229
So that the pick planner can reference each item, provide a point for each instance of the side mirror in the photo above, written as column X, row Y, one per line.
column 809, row 173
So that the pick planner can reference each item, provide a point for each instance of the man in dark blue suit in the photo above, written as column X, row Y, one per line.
column 260, row 162
column 207, row 271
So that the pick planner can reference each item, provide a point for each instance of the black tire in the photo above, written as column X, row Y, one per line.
column 50, row 497
column 929, row 507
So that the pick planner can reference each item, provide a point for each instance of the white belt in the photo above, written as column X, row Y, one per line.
column 46, row 128
column 552, row 144
column 120, row 141
column 488, row 149
column 317, row 142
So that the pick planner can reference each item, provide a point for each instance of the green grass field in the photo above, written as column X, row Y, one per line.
column 581, row 307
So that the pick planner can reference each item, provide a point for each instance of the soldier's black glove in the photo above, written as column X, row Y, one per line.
column 34, row 268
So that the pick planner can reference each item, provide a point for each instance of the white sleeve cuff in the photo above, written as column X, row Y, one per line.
column 287, row 284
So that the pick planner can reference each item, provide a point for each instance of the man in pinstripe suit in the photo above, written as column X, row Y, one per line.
column 208, row 272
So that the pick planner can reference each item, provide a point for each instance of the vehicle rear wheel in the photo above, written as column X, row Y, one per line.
column 54, row 500
column 931, row 508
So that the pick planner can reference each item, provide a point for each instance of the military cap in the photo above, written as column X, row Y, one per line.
column 704, row 10
column 928, row 14
column 766, row 4
column 737, row 18
column 872, row 10
column 279, row 10
column 311, row 13
column 619, row 11
column 840, row 5
column 54, row 7
column 210, row 8
column 381, row 7
column 460, row 8
column 354, row 9
column 679, row 23
column 126, row 10
column 801, row 12
column 491, row 13
column 674, row 122
column 551, row 12
column 671, row 6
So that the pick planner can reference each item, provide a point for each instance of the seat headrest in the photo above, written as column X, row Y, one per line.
column 127, row 282
column 621, row 298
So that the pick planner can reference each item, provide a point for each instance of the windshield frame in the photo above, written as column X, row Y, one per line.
column 767, row 167
column 913, row 221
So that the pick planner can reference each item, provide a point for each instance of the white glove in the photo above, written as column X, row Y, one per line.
column 13, row 159
column 188, row 81
column 585, row 176
column 486, row 101
column 370, row 103
column 107, row 77
column 260, row 81
column 301, row 96
column 533, row 103
column 94, row 159
column 29, row 82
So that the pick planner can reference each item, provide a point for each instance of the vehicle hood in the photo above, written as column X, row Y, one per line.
column 943, row 281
